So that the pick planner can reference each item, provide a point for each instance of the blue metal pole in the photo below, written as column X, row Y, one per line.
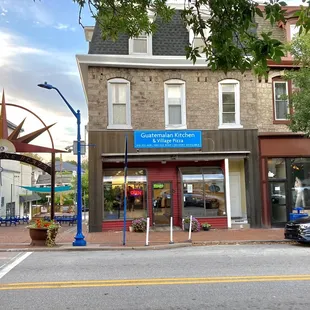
column 79, row 238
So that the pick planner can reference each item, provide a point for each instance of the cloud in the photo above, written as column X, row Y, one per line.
column 23, row 66
column 65, row 27
column 10, row 49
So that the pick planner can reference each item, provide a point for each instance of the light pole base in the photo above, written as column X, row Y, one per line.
column 79, row 240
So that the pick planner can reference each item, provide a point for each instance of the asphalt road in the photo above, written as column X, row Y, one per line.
column 219, row 277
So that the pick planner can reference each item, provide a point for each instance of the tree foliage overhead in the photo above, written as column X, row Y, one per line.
column 300, row 98
column 229, row 43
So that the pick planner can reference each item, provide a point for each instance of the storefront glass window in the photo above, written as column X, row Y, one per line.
column 300, row 182
column 276, row 168
column 203, row 192
column 113, row 194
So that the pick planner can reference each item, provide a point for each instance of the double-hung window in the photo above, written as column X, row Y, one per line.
column 119, row 104
column 280, row 100
column 294, row 31
column 175, row 104
column 229, row 104
column 141, row 45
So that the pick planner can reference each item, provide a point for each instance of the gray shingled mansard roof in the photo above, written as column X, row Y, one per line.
column 170, row 39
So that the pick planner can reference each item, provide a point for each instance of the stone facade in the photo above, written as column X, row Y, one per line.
column 265, row 120
column 147, row 97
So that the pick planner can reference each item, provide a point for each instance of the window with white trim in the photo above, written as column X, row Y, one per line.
column 175, row 104
column 119, row 104
column 229, row 104
column 141, row 45
column 294, row 31
column 281, row 102
column 197, row 40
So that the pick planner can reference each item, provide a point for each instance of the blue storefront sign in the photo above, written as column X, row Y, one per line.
column 167, row 139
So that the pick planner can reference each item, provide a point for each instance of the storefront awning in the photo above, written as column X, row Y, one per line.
column 174, row 156
column 47, row 189
column 30, row 197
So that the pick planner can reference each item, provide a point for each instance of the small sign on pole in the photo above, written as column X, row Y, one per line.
column 83, row 148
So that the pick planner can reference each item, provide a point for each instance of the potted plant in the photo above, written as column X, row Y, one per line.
column 43, row 232
column 195, row 224
column 206, row 226
column 139, row 225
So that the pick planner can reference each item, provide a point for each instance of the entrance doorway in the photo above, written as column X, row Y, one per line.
column 162, row 203
column 279, row 206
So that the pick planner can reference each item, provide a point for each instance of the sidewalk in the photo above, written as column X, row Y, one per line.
column 17, row 237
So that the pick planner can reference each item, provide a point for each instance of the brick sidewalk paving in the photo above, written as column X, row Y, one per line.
column 19, row 236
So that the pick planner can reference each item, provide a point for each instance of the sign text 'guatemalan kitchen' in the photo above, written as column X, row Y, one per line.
column 167, row 139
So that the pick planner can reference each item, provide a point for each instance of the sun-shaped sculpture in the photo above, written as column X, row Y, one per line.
column 15, row 143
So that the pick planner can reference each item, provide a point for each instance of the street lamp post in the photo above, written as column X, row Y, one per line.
column 79, row 238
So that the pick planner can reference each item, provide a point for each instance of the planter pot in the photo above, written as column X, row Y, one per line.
column 39, row 236
column 206, row 228
column 130, row 229
column 186, row 226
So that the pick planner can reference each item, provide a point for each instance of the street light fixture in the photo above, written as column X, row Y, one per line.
column 79, row 238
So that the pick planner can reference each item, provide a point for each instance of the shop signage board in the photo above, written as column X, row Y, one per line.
column 167, row 139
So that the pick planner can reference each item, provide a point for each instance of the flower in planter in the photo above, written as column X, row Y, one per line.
column 206, row 226
column 139, row 225
column 195, row 223
column 50, row 226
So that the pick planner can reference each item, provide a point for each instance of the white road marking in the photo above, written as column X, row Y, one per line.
column 17, row 259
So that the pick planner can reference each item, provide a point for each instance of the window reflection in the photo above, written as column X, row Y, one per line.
column 276, row 168
column 203, row 192
column 113, row 194
column 300, row 182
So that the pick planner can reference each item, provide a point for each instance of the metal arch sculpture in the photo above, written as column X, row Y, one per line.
column 22, row 145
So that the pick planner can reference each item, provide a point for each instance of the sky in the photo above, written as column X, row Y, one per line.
column 38, row 42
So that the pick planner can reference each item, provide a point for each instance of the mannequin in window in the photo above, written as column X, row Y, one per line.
column 300, row 198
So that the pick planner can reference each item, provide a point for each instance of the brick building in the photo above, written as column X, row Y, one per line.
column 144, row 88
column 284, row 156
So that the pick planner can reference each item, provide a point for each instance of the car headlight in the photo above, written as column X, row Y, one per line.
column 304, row 226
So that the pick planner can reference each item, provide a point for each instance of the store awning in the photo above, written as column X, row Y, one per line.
column 30, row 197
column 47, row 189
column 174, row 156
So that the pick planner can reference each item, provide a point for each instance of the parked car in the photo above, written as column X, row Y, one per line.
column 298, row 230
column 196, row 200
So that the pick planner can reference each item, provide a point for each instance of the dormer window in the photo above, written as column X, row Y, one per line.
column 141, row 45
column 197, row 41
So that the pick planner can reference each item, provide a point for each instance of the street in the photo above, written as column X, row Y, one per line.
column 274, row 276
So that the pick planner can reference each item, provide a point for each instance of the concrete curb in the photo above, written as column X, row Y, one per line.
column 96, row 247
column 100, row 247
column 238, row 242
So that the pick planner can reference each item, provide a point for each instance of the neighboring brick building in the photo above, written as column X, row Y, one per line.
column 145, row 88
column 284, row 156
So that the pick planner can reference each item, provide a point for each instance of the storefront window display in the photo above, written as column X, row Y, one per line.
column 113, row 194
column 203, row 192
column 300, row 182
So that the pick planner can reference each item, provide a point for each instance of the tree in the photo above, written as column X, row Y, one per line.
column 85, row 164
column 300, row 98
column 35, row 156
column 230, row 42
column 84, row 186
